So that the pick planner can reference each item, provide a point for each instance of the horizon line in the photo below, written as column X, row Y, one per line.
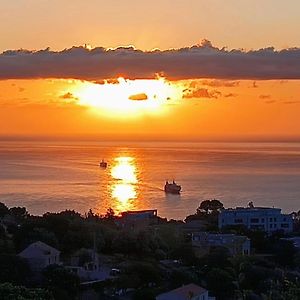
column 152, row 138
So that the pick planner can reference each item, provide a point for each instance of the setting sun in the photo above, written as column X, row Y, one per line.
column 126, row 97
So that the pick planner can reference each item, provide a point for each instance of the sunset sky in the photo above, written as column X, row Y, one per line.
column 183, row 70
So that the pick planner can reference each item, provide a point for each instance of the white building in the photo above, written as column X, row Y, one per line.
column 186, row 292
column 256, row 218
column 202, row 242
column 40, row 255
column 90, row 269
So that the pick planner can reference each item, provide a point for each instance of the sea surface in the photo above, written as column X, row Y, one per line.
column 44, row 176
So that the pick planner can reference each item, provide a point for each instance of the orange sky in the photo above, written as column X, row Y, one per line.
column 224, row 109
column 231, row 105
column 59, row 24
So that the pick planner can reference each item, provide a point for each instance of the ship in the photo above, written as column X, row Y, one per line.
column 103, row 164
column 172, row 188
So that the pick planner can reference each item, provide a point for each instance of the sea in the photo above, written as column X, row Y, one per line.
column 54, row 176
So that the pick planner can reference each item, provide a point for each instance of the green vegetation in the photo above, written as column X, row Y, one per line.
column 152, row 259
column 12, row 292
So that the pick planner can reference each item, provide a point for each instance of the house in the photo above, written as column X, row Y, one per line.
column 85, row 263
column 40, row 255
column 256, row 218
column 186, row 292
column 138, row 219
column 88, row 258
column 202, row 242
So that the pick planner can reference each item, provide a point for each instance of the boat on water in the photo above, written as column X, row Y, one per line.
column 172, row 188
column 103, row 164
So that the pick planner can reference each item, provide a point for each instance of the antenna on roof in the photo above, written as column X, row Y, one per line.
column 250, row 204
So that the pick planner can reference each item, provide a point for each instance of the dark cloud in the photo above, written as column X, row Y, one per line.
column 199, row 61
column 201, row 93
column 138, row 97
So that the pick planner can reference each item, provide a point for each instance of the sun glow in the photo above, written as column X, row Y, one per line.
column 124, row 188
column 125, row 97
column 124, row 170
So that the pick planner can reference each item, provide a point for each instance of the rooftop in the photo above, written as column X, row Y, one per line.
column 37, row 249
column 256, row 208
column 140, row 211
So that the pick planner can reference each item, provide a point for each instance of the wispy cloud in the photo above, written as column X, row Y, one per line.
column 199, row 61
column 220, row 83
column 68, row 95
column 264, row 96
column 201, row 93
column 230, row 95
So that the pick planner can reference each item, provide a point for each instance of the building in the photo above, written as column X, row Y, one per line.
column 40, row 255
column 138, row 219
column 202, row 242
column 194, row 226
column 85, row 263
column 186, row 292
column 256, row 218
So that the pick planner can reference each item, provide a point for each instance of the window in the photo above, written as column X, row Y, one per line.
column 254, row 220
column 275, row 220
column 257, row 227
column 271, row 225
column 263, row 220
column 284, row 225
column 271, row 219
column 238, row 220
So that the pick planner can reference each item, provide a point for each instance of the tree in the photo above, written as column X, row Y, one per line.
column 204, row 206
column 216, row 205
column 220, row 283
column 13, row 269
column 284, row 251
column 210, row 206
column 125, row 242
column 19, row 213
column 84, row 256
column 110, row 214
column 217, row 257
column 12, row 292
column 179, row 277
column 139, row 275
column 3, row 210
column 62, row 283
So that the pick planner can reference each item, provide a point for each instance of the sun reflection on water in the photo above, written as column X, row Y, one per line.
column 124, row 169
column 124, row 173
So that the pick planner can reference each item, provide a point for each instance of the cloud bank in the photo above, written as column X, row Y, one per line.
column 199, row 61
